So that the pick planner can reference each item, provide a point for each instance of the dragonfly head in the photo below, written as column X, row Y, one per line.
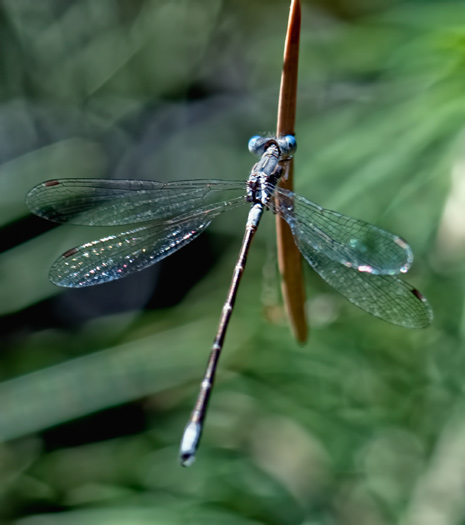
column 259, row 144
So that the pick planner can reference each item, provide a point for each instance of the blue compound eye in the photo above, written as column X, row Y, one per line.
column 258, row 144
column 287, row 145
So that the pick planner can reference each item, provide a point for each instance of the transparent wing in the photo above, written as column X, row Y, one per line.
column 102, row 202
column 345, row 240
column 384, row 296
column 119, row 255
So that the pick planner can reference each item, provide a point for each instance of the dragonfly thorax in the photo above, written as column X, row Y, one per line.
column 264, row 176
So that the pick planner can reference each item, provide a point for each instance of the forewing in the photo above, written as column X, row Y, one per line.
column 119, row 255
column 102, row 202
column 345, row 240
column 384, row 296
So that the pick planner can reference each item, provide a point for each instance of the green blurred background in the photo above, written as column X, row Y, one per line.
column 365, row 424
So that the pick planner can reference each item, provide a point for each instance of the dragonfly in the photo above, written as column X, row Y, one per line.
column 359, row 260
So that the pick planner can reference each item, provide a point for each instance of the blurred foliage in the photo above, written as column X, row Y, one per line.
column 366, row 423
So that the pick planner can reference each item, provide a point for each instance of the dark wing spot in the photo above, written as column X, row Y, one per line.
column 70, row 252
column 418, row 294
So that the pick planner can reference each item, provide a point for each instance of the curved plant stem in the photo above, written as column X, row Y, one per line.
column 290, row 260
